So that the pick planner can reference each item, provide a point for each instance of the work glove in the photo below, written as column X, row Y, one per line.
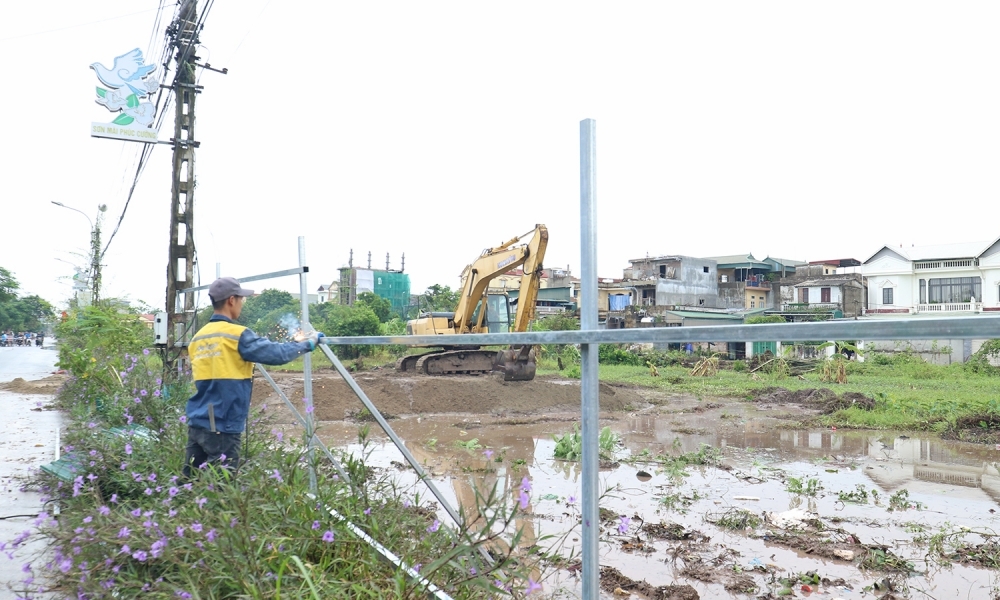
column 313, row 339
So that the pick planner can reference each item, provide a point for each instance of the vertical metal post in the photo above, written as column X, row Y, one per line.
column 307, row 365
column 588, row 380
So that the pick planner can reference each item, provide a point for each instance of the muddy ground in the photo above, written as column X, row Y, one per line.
column 778, row 509
column 397, row 394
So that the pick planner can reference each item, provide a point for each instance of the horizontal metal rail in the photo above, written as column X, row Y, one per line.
column 945, row 328
column 285, row 273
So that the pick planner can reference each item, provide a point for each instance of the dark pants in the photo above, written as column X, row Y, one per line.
column 213, row 448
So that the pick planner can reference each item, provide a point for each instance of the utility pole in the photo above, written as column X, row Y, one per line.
column 180, row 266
column 95, row 257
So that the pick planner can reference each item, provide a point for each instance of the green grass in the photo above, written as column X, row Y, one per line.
column 910, row 394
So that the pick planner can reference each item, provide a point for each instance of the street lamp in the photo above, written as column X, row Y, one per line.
column 95, row 249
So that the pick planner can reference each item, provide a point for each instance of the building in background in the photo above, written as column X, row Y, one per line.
column 948, row 278
column 390, row 284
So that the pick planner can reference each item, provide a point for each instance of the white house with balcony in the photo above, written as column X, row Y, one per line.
column 946, row 278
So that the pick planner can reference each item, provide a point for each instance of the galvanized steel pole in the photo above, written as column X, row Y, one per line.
column 588, row 381
column 307, row 364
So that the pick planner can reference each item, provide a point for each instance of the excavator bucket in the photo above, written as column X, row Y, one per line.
column 517, row 364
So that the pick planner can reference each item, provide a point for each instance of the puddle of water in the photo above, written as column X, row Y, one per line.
column 955, row 483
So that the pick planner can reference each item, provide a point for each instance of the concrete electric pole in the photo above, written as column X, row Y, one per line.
column 180, row 266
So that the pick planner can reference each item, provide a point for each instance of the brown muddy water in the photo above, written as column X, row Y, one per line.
column 951, row 487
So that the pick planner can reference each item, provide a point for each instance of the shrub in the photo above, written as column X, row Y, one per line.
column 613, row 354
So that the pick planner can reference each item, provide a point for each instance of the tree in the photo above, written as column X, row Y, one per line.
column 354, row 320
column 268, row 301
column 21, row 314
column 380, row 306
column 8, row 285
column 439, row 298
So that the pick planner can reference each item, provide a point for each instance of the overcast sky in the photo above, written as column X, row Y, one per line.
column 802, row 130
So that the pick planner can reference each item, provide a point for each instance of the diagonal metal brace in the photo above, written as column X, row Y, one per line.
column 389, row 432
column 432, row 590
column 302, row 421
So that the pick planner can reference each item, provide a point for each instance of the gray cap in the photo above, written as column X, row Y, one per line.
column 224, row 287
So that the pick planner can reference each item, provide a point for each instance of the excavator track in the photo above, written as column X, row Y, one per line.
column 457, row 362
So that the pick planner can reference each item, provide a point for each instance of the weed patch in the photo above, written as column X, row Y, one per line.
column 735, row 519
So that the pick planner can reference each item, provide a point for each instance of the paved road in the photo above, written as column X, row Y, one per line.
column 27, row 363
column 27, row 440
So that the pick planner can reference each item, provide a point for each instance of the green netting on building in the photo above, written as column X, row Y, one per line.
column 394, row 287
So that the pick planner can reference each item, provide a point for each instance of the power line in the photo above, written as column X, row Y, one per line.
column 34, row 33
column 147, row 150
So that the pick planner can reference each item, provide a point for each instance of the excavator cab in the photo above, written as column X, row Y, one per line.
column 498, row 313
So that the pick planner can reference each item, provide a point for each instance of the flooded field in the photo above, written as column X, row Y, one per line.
column 722, row 498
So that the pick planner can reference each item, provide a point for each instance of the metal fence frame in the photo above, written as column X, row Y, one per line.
column 588, row 338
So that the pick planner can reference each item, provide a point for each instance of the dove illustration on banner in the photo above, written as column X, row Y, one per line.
column 126, row 83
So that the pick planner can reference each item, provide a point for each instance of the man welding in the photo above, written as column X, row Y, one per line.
column 222, row 356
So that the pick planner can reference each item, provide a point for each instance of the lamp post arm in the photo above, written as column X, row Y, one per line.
column 77, row 210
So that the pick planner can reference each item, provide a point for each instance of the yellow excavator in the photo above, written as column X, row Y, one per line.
column 479, row 311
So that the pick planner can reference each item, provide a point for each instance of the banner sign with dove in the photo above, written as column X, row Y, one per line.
column 127, row 85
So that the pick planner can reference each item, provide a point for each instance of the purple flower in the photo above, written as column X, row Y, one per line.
column 142, row 392
column 276, row 475
column 145, row 351
column 434, row 526
column 104, row 510
column 523, row 499
column 210, row 536
column 417, row 566
column 328, row 536
column 114, row 498
column 183, row 419
column 315, row 525
column 406, row 503
column 180, row 531
column 172, row 513
column 139, row 555
column 309, row 409
column 152, row 477
column 124, row 532
column 148, row 492
column 233, row 522
column 278, row 434
column 623, row 523
column 65, row 565
column 183, row 594
column 488, row 453
column 156, row 393
column 196, row 527
column 368, row 511
column 533, row 586
column 128, row 448
column 173, row 491
column 525, row 485
column 201, row 502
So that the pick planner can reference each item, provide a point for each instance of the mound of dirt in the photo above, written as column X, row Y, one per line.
column 613, row 581
column 980, row 428
column 823, row 399
column 397, row 394
column 48, row 385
